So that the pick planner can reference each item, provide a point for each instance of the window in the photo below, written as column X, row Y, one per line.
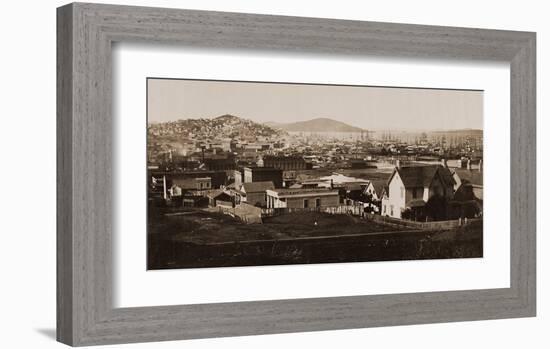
column 384, row 209
column 402, row 192
column 306, row 203
column 391, row 210
column 317, row 202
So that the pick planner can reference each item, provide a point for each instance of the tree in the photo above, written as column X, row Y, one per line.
column 436, row 208
column 407, row 214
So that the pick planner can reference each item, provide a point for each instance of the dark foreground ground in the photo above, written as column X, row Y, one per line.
column 201, row 239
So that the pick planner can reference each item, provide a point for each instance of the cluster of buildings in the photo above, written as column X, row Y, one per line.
column 415, row 191
column 229, row 162
column 229, row 143
column 265, row 187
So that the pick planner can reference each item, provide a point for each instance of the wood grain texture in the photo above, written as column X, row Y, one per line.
column 64, row 176
column 85, row 130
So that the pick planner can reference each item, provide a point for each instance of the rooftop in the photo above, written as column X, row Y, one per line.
column 254, row 187
column 340, row 178
column 421, row 176
column 261, row 169
column 298, row 191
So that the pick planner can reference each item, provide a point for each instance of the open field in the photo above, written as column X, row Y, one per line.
column 203, row 228
column 200, row 239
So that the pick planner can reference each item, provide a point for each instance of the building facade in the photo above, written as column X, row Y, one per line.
column 302, row 198
column 193, row 184
column 263, row 174
column 286, row 163
column 254, row 193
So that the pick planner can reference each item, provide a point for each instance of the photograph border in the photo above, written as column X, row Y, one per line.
column 85, row 34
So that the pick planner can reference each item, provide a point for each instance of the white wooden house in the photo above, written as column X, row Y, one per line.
column 411, row 187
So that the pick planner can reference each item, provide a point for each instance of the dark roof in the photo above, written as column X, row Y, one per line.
column 223, row 197
column 254, row 187
column 263, row 169
column 379, row 185
column 422, row 176
column 352, row 186
column 471, row 176
column 446, row 175
column 464, row 193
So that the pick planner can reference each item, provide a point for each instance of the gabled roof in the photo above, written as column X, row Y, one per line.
column 422, row 176
column 472, row 176
column 379, row 185
column 255, row 187
column 214, row 193
column 353, row 186
column 464, row 193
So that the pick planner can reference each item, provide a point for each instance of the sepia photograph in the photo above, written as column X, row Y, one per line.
column 251, row 173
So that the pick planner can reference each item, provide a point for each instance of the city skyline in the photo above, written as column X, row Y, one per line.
column 264, row 102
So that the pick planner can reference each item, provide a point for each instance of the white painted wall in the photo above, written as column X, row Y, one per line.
column 397, row 197
column 28, row 142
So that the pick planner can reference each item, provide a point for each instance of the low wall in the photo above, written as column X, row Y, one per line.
column 435, row 225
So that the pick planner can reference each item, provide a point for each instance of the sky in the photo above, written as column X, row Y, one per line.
column 373, row 108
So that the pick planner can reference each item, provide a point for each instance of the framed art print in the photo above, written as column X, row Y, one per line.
column 224, row 174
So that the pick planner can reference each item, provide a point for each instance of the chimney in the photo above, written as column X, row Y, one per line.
column 444, row 162
column 331, row 183
column 469, row 164
column 480, row 165
column 398, row 163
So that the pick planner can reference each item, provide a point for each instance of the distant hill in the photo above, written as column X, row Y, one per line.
column 469, row 131
column 224, row 126
column 316, row 125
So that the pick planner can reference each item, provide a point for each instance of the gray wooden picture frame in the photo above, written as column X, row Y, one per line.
column 85, row 33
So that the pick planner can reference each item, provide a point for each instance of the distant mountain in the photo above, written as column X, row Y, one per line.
column 316, row 125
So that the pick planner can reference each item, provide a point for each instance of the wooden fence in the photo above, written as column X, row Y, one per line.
column 343, row 209
column 434, row 225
